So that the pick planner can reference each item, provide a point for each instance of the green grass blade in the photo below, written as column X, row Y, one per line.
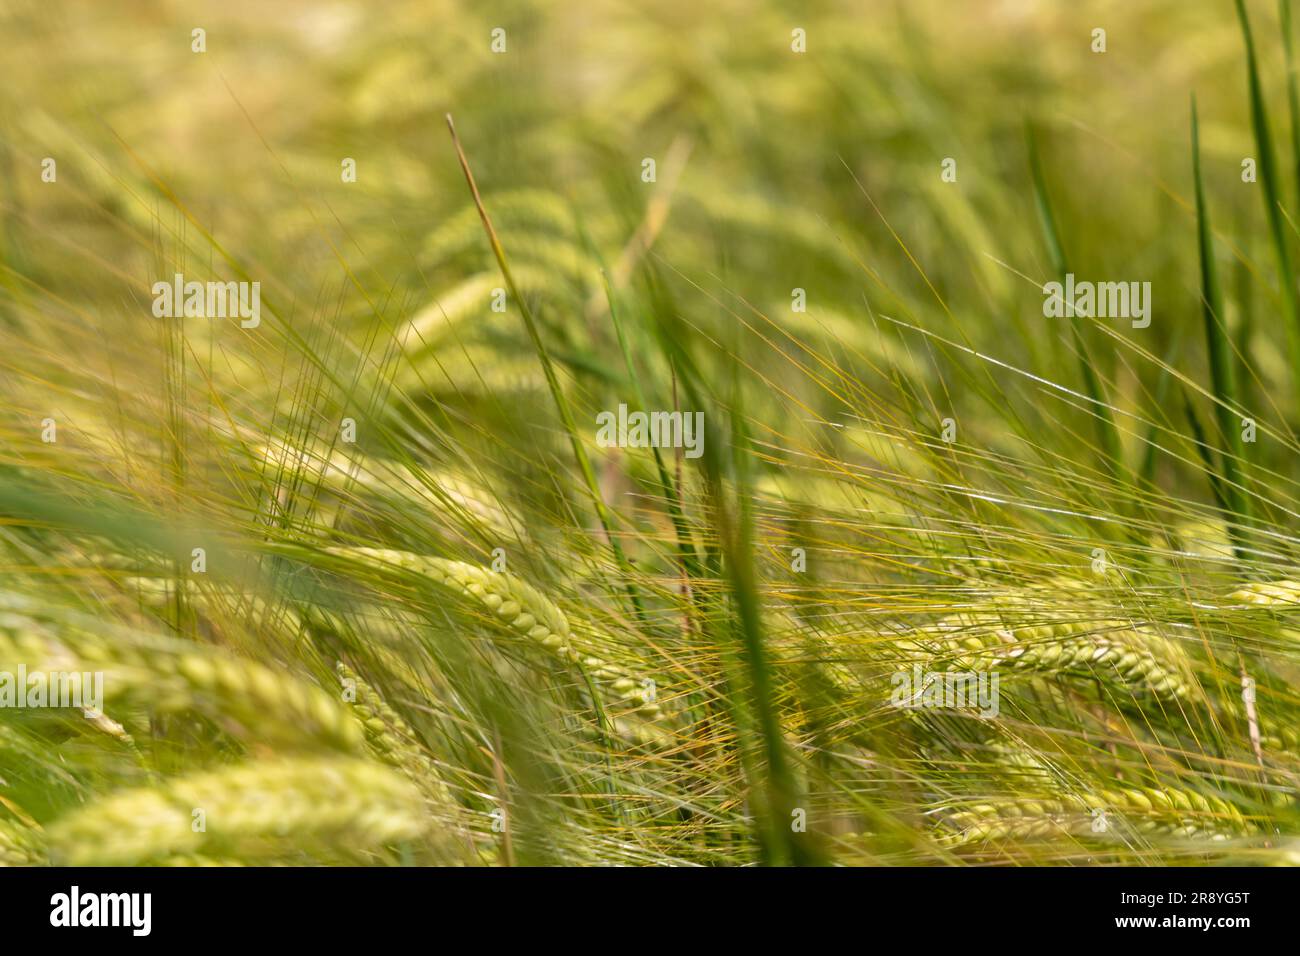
column 1268, row 178
column 1107, row 432
column 1292, row 89
column 548, row 369
column 1223, row 376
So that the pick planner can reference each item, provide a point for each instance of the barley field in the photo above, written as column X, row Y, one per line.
column 438, row 433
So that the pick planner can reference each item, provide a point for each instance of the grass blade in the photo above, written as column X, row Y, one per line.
column 1272, row 201
column 1223, row 376
column 548, row 368
column 1107, row 433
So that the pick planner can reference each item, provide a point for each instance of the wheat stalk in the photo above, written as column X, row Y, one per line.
column 172, row 675
column 257, row 808
column 1133, row 658
column 1269, row 594
column 520, row 607
column 1173, row 812
column 19, row 846
column 393, row 740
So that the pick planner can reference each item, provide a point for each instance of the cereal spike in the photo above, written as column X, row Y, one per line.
column 20, row 846
column 273, row 807
column 393, row 740
column 172, row 675
column 520, row 607
column 1135, row 658
column 1269, row 594
column 1147, row 810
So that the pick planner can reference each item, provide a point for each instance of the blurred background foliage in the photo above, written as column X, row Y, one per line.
column 776, row 171
column 778, row 154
